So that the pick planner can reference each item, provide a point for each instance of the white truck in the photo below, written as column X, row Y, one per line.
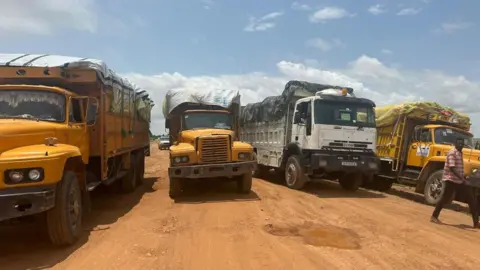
column 313, row 131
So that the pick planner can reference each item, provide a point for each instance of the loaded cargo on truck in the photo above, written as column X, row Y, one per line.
column 412, row 143
column 313, row 131
column 67, row 125
column 203, row 129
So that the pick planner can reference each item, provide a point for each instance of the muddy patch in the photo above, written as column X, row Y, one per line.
column 318, row 235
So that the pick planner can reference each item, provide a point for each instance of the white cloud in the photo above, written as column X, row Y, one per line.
column 329, row 13
column 324, row 45
column 298, row 6
column 43, row 17
column 450, row 27
column 377, row 9
column 207, row 4
column 386, row 51
column 368, row 76
column 264, row 23
column 408, row 12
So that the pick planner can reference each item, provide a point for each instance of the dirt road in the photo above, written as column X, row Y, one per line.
column 272, row 228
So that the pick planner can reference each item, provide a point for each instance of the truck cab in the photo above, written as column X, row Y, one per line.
column 427, row 153
column 412, row 143
column 340, row 134
column 205, row 144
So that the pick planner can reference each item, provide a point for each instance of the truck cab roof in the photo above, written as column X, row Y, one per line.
column 337, row 98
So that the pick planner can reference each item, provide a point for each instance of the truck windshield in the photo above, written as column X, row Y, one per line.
column 207, row 120
column 344, row 114
column 449, row 136
column 31, row 104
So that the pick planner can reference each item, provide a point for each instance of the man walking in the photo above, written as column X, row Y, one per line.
column 455, row 181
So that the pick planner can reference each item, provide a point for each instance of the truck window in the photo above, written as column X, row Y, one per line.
column 75, row 113
column 343, row 113
column 32, row 104
column 207, row 120
column 302, row 109
column 449, row 136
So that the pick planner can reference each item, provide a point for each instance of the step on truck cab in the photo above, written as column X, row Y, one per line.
column 67, row 125
column 412, row 143
column 203, row 129
column 313, row 131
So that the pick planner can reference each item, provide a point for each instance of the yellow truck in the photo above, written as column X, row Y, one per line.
column 203, row 129
column 67, row 125
column 413, row 139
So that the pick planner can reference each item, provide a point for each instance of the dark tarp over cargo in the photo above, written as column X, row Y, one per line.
column 275, row 107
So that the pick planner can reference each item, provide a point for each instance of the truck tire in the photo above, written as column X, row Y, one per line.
column 351, row 181
column 175, row 188
column 129, row 181
column 294, row 175
column 64, row 220
column 244, row 183
column 434, row 188
column 140, row 168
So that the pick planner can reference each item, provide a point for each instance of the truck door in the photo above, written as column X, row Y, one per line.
column 419, row 148
column 302, row 125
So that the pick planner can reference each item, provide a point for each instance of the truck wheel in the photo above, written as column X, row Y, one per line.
column 175, row 189
column 244, row 183
column 140, row 169
column 64, row 221
column 129, row 181
column 351, row 181
column 294, row 176
column 434, row 188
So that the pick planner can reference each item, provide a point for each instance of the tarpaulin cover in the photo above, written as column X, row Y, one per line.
column 143, row 103
column 388, row 115
column 274, row 108
column 219, row 97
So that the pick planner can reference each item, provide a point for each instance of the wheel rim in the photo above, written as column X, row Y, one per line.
column 291, row 175
column 74, row 207
column 436, row 188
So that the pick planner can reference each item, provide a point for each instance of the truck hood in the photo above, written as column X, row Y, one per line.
column 468, row 153
column 18, row 132
column 189, row 136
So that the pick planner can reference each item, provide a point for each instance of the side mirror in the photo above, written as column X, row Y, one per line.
column 92, row 111
column 297, row 118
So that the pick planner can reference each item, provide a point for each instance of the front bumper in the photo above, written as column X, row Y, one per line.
column 24, row 201
column 164, row 145
column 212, row 170
column 345, row 163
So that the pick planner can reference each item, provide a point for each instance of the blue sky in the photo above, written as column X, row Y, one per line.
column 391, row 50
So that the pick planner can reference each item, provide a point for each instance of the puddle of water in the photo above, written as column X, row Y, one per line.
column 318, row 235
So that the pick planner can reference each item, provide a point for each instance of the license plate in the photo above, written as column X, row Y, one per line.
column 349, row 163
column 349, row 145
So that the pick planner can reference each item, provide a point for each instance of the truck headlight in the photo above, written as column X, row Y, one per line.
column 244, row 156
column 34, row 174
column 15, row 176
column 181, row 159
column 475, row 172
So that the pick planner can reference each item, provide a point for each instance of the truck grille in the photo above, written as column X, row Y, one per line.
column 214, row 150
